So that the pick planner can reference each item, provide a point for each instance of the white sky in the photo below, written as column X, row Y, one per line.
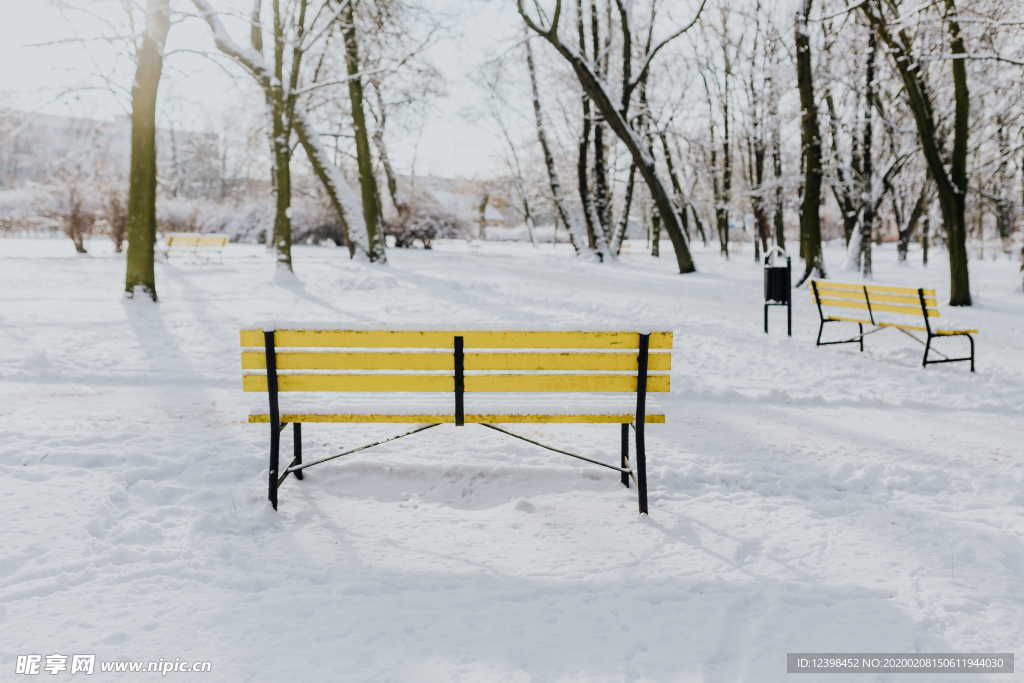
column 40, row 78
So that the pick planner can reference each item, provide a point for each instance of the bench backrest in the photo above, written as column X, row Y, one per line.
column 428, row 361
column 196, row 241
column 875, row 299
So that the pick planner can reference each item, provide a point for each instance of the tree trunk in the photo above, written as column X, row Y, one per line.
column 117, row 217
column 951, row 186
column 140, row 276
column 778, row 213
column 382, row 148
column 623, row 230
column 576, row 238
column 482, row 213
column 364, row 159
column 810, row 212
column 677, row 188
column 868, row 212
column 602, row 194
column 906, row 231
column 842, row 188
column 593, row 87
column 722, row 207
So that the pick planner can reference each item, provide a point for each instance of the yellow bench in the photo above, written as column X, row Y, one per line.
column 876, row 305
column 429, row 378
column 195, row 244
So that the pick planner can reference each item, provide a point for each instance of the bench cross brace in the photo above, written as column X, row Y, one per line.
column 298, row 468
column 624, row 470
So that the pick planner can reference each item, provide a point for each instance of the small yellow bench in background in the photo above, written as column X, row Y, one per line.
column 302, row 372
column 875, row 305
column 195, row 244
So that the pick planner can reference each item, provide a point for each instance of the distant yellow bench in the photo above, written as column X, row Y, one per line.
column 876, row 305
column 506, row 373
column 195, row 244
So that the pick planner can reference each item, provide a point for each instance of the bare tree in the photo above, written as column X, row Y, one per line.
column 810, row 211
column 367, row 178
column 140, row 277
column 598, row 94
column 951, row 181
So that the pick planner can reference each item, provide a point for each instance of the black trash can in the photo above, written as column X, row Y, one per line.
column 778, row 271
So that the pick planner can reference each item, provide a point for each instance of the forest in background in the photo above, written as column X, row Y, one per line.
column 767, row 123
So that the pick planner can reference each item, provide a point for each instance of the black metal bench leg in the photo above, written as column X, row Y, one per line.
column 971, row 339
column 860, row 326
column 821, row 328
column 641, row 468
column 297, row 441
column 927, row 348
column 625, row 455
column 275, row 453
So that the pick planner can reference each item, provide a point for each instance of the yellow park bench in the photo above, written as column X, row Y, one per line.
column 881, row 307
column 195, row 244
column 429, row 378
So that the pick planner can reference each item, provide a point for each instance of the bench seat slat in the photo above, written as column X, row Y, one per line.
column 916, row 328
column 443, row 360
column 474, row 418
column 499, row 383
column 369, row 339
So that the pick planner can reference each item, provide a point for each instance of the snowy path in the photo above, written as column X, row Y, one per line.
column 802, row 499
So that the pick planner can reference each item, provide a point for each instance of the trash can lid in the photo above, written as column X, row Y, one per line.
column 776, row 251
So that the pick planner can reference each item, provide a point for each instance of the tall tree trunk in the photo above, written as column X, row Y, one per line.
column 627, row 207
column 280, row 143
column 810, row 133
column 951, row 186
column 867, row 222
column 583, row 149
column 382, row 148
column 140, row 276
column 482, row 216
column 602, row 192
column 778, row 210
column 576, row 236
column 699, row 223
column 677, row 188
column 906, row 230
column 722, row 206
column 364, row 158
column 842, row 188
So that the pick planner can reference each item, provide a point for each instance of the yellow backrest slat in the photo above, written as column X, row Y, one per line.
column 445, row 340
column 878, row 298
column 844, row 303
column 196, row 241
column 440, row 360
column 886, row 289
column 825, row 285
column 908, row 310
column 914, row 300
column 446, row 383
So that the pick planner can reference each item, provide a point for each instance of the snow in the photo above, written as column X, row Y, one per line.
column 802, row 499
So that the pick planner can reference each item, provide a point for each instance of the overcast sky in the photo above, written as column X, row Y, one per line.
column 51, row 78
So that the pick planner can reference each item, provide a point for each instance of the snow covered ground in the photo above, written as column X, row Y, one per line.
column 802, row 499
